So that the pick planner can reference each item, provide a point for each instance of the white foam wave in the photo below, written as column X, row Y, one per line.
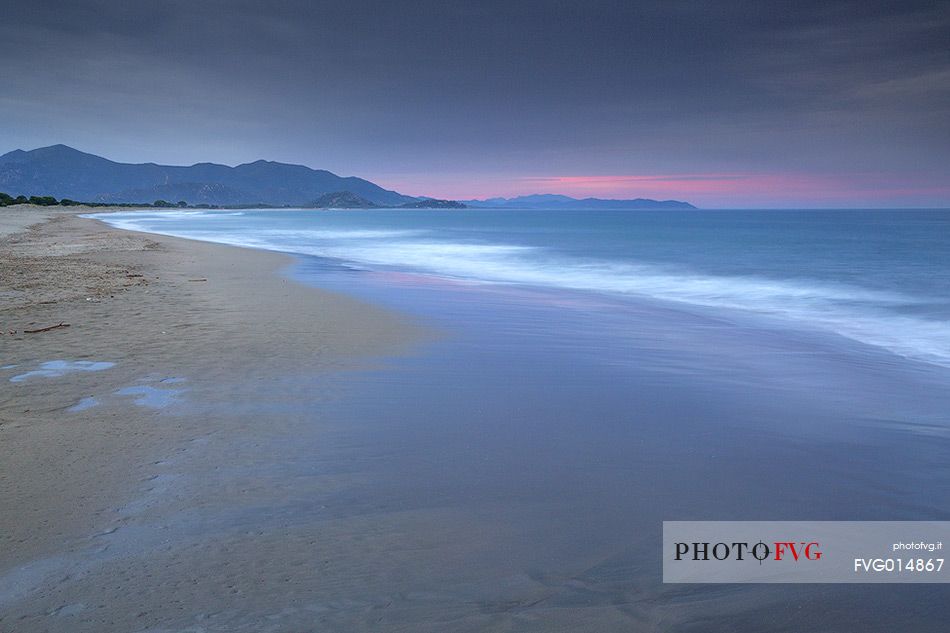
column 306, row 236
column 862, row 314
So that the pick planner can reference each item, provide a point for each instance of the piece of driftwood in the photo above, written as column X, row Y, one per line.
column 46, row 329
column 202, row 279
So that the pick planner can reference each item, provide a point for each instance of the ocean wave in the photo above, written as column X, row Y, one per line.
column 865, row 315
column 862, row 314
column 306, row 236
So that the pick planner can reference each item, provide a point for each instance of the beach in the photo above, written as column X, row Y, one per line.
column 81, row 459
column 457, row 421
column 494, row 317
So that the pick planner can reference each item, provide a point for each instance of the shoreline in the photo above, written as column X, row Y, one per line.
column 223, row 479
column 185, row 321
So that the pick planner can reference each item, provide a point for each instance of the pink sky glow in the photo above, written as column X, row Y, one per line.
column 704, row 190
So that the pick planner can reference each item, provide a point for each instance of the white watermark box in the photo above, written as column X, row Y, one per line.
column 805, row 551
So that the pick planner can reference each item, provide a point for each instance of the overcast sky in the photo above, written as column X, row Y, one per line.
column 720, row 103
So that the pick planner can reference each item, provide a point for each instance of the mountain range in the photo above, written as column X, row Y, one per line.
column 556, row 201
column 64, row 172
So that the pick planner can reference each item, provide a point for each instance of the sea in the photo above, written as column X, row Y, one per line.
column 596, row 373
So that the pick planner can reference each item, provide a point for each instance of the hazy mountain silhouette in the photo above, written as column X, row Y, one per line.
column 555, row 201
column 342, row 200
column 64, row 172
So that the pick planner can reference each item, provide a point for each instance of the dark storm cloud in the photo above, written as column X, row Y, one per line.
column 449, row 88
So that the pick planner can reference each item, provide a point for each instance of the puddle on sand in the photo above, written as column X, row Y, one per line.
column 56, row 368
column 152, row 397
column 144, row 395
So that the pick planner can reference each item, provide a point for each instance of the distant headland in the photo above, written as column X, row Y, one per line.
column 349, row 200
column 555, row 201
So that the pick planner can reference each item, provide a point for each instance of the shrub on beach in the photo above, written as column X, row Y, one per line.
column 43, row 201
column 6, row 200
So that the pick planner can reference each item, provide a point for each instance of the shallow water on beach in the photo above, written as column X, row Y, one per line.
column 516, row 471
column 579, row 425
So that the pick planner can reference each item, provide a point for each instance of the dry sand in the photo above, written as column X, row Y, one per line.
column 106, row 511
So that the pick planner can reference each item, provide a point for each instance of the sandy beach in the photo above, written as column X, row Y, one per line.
column 90, row 430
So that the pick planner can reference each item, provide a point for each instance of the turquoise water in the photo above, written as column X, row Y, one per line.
column 599, row 373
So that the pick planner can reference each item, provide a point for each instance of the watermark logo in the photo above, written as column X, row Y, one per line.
column 760, row 551
column 804, row 551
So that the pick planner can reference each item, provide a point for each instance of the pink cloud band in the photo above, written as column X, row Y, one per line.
column 705, row 189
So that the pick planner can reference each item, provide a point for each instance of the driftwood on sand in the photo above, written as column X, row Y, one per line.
column 46, row 329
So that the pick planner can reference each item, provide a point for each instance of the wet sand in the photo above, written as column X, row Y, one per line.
column 120, row 427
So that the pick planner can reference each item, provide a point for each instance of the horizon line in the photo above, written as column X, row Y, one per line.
column 678, row 186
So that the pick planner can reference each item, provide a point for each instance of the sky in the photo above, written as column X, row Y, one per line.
column 723, row 104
